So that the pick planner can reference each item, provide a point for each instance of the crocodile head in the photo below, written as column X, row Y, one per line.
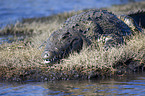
column 60, row 44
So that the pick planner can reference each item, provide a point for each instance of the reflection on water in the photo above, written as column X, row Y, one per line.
column 130, row 85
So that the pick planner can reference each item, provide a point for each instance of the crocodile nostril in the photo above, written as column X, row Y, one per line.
column 46, row 55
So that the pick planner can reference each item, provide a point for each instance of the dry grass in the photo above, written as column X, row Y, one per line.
column 21, row 60
column 128, row 8
column 135, row 49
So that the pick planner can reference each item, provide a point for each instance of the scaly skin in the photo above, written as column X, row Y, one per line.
column 83, row 29
column 138, row 17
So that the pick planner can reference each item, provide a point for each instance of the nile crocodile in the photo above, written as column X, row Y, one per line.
column 83, row 29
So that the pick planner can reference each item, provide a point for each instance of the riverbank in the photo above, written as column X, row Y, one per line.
column 21, row 60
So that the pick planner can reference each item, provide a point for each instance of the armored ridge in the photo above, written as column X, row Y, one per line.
column 83, row 29
column 97, row 22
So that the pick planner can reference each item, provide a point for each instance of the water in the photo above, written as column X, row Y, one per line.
column 131, row 85
column 13, row 10
column 11, row 38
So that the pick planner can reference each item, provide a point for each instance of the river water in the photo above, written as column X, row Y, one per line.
column 12, row 11
column 132, row 85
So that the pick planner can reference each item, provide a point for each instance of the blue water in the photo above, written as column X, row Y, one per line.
column 12, row 11
column 132, row 85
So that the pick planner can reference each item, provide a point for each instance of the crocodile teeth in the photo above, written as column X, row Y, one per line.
column 47, row 61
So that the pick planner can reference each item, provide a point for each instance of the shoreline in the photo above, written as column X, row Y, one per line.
column 21, row 60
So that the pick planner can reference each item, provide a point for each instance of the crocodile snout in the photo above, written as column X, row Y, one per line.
column 47, row 56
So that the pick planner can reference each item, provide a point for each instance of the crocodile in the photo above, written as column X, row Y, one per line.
column 138, row 17
column 85, row 28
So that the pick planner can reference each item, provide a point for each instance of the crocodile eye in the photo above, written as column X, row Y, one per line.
column 66, row 35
